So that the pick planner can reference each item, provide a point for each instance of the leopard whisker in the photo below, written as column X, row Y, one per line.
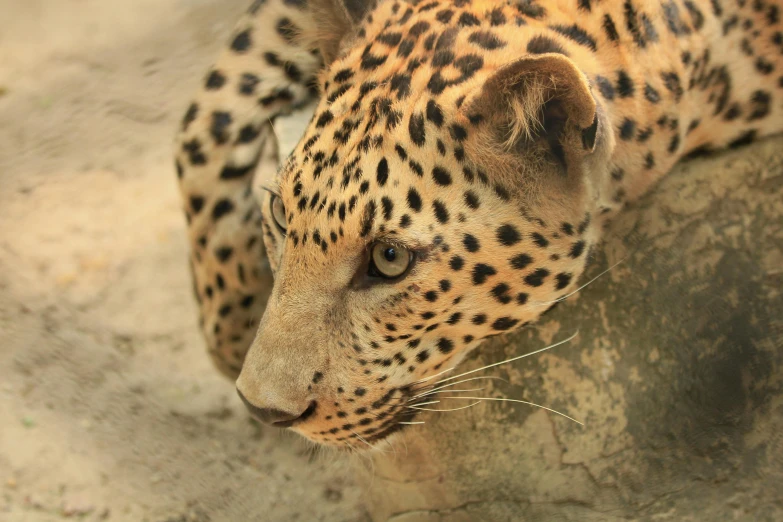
column 424, row 403
column 501, row 399
column 274, row 130
column 511, row 359
column 412, row 422
column 449, row 409
column 361, row 438
column 434, row 392
column 425, row 379
column 458, row 382
column 388, row 441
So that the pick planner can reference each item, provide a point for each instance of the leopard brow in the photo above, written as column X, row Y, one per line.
column 394, row 239
column 273, row 189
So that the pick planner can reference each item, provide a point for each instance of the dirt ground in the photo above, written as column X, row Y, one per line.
column 109, row 407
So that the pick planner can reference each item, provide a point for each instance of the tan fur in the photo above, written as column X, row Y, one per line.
column 492, row 138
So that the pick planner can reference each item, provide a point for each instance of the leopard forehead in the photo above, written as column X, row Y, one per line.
column 386, row 144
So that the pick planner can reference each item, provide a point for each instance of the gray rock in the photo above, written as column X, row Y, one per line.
column 676, row 373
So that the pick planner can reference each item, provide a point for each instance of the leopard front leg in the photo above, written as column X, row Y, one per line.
column 267, row 70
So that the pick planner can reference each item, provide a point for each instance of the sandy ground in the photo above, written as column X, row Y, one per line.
column 109, row 407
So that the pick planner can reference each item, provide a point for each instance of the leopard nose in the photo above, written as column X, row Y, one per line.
column 275, row 417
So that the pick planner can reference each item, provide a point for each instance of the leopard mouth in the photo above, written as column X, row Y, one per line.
column 389, row 414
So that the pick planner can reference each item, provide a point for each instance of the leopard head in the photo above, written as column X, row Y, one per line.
column 442, row 194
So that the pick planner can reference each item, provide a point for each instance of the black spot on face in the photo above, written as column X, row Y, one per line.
column 441, row 213
column 458, row 133
column 563, row 280
column 625, row 86
column 388, row 207
column 481, row 272
column 605, row 87
column 414, row 200
column 368, row 217
column 504, row 323
column 627, row 129
column 471, row 243
column 471, row 199
column 500, row 293
column 441, row 176
column 445, row 345
column 521, row 261
column 539, row 240
column 508, row 235
column 651, row 94
column 536, row 278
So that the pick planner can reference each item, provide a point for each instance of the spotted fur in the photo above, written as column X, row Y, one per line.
column 491, row 138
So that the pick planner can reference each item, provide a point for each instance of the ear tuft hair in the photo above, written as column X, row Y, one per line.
column 337, row 23
column 540, row 124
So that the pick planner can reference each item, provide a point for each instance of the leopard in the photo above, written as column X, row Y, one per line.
column 462, row 162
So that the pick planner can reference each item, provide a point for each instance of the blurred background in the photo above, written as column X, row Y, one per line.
column 109, row 406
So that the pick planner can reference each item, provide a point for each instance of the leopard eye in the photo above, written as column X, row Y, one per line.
column 278, row 212
column 389, row 260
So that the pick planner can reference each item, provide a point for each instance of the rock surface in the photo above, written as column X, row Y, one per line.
column 677, row 373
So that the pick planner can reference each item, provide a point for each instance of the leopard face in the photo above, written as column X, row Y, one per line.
column 416, row 218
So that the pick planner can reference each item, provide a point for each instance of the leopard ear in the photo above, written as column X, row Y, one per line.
column 539, row 103
column 337, row 21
